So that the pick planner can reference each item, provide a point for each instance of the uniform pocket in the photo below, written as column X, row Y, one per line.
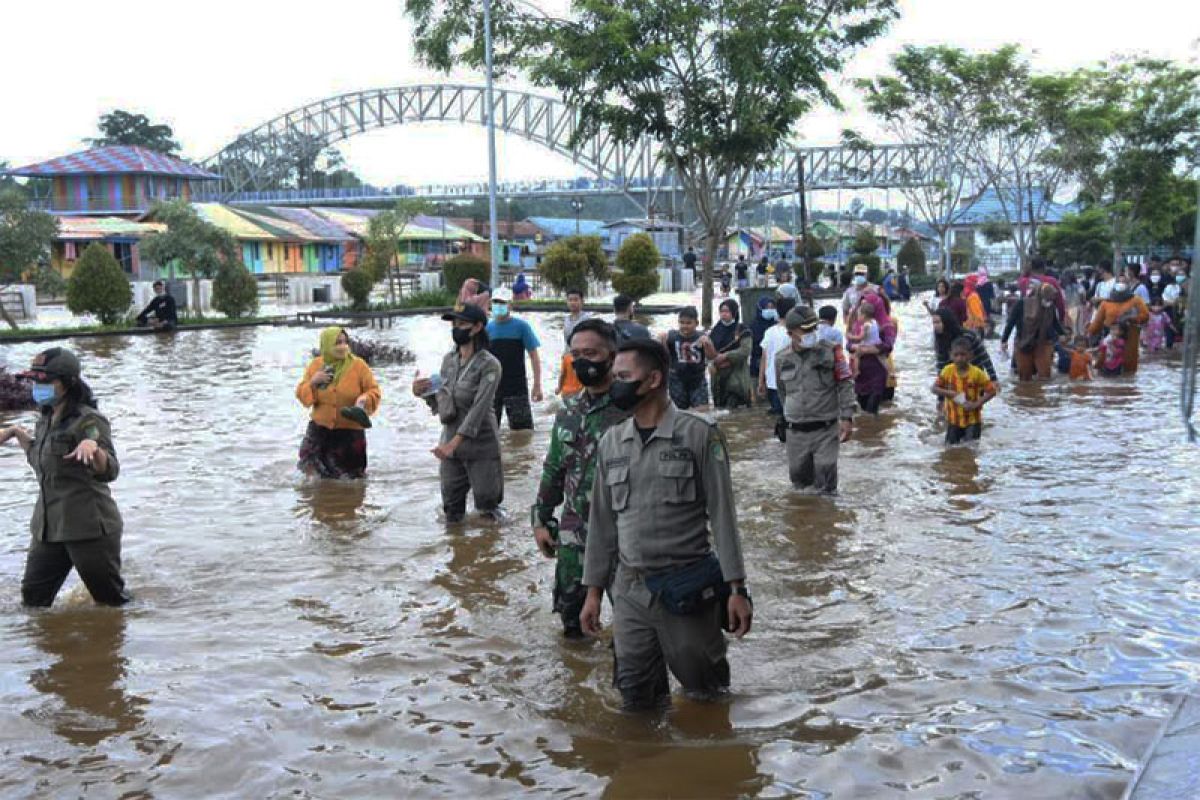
column 617, row 481
column 677, row 481
column 61, row 445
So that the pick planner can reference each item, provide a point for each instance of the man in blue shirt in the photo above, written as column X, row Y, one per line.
column 511, row 339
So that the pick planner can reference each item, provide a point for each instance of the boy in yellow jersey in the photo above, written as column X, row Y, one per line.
column 966, row 388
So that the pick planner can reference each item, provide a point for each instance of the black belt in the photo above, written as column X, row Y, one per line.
column 809, row 427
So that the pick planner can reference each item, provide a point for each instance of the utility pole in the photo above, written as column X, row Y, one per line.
column 490, row 105
column 803, row 216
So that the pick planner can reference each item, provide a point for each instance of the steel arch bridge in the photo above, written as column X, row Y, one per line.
column 255, row 163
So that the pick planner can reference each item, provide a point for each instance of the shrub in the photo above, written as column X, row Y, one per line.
column 637, row 259
column 456, row 270
column 235, row 292
column 563, row 267
column 864, row 247
column 14, row 392
column 376, row 353
column 912, row 257
column 357, row 283
column 99, row 286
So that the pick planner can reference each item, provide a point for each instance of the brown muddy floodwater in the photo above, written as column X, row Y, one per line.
column 995, row 623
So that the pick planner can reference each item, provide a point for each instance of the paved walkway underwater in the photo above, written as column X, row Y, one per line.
column 1170, row 770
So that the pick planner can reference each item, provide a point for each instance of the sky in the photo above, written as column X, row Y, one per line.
column 214, row 69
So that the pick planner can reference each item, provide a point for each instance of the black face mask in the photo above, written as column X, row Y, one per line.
column 589, row 372
column 625, row 395
column 461, row 335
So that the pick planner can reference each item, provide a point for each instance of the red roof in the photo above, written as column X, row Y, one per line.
column 114, row 160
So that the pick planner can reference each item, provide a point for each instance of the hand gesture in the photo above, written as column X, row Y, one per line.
column 536, row 394
column 741, row 614
column 545, row 541
column 322, row 378
column 443, row 451
column 589, row 617
column 421, row 386
column 85, row 453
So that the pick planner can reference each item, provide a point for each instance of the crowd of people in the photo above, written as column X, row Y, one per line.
column 635, row 498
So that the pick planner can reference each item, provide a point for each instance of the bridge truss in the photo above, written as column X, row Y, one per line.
column 255, row 164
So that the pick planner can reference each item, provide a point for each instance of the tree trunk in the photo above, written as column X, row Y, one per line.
column 12, row 323
column 197, row 302
column 711, row 242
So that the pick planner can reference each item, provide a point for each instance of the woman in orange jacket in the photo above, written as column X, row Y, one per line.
column 1123, row 307
column 977, row 319
column 341, row 391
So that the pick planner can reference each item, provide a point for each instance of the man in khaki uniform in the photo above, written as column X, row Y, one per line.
column 817, row 394
column 662, row 484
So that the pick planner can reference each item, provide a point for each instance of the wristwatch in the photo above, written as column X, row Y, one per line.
column 744, row 592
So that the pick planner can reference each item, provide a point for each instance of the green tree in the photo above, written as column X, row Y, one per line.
column 235, row 291
column 863, row 251
column 1132, row 126
column 358, row 284
column 1083, row 238
column 456, row 270
column 189, row 243
column 385, row 233
column 928, row 101
column 996, row 231
column 912, row 256
column 570, row 262
column 122, row 127
column 718, row 87
column 25, row 237
column 638, row 261
column 99, row 286
column 7, row 182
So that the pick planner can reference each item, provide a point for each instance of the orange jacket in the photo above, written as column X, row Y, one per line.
column 1110, row 313
column 356, row 382
column 976, row 318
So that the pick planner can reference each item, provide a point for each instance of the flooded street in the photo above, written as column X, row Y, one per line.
column 994, row 623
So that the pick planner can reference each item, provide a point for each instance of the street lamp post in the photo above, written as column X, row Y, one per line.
column 490, row 103
column 577, row 207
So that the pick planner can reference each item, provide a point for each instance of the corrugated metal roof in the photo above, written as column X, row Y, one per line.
column 114, row 160
column 319, row 226
column 233, row 223
column 84, row 228
column 987, row 207
column 558, row 227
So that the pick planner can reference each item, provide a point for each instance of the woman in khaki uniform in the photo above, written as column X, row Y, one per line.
column 75, row 523
column 461, row 395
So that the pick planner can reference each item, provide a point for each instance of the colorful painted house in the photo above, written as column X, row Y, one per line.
column 121, row 236
column 119, row 180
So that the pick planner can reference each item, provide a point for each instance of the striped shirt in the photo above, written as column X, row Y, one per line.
column 973, row 385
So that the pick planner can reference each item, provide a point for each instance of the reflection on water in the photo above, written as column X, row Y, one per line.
column 84, row 681
column 993, row 621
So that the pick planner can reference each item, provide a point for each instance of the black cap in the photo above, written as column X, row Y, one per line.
column 57, row 362
column 467, row 313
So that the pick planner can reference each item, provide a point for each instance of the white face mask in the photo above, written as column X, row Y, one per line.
column 1156, row 278
column 860, row 281
column 809, row 339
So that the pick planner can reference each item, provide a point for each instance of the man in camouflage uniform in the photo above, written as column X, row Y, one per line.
column 570, row 466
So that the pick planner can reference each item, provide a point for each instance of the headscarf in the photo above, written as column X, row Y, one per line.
column 329, row 357
column 969, row 284
column 520, row 285
column 760, row 325
column 951, row 330
column 725, row 337
column 982, row 277
column 1038, row 320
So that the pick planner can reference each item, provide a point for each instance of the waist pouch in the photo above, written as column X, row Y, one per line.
column 689, row 589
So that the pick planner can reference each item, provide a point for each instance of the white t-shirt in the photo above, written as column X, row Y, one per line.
column 1104, row 289
column 775, row 341
column 1171, row 294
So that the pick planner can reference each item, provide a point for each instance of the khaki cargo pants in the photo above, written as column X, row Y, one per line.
column 648, row 640
column 812, row 458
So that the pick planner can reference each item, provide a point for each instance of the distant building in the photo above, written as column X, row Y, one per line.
column 978, row 211
column 667, row 236
column 120, row 237
column 552, row 229
column 121, row 180
column 753, row 242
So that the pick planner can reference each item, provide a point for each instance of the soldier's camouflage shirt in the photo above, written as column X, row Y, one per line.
column 570, row 464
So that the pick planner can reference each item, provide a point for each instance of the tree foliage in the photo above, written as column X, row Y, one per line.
column 1132, row 126
column 638, row 261
column 357, row 283
column 124, row 128
column 912, row 256
column 235, row 291
column 99, row 286
column 996, row 231
column 571, row 261
column 190, row 244
column 863, row 251
column 456, row 270
column 717, row 86
column 385, row 233
column 1083, row 238
column 25, row 237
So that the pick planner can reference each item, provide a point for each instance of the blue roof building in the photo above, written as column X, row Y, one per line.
column 560, row 227
column 988, row 206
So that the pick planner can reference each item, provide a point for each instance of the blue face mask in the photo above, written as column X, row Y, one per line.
column 44, row 394
column 500, row 309
column 770, row 314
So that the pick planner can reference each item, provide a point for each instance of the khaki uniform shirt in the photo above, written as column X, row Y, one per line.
column 814, row 384
column 654, row 504
column 464, row 403
column 74, row 503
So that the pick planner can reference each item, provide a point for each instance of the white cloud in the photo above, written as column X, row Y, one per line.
column 215, row 69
